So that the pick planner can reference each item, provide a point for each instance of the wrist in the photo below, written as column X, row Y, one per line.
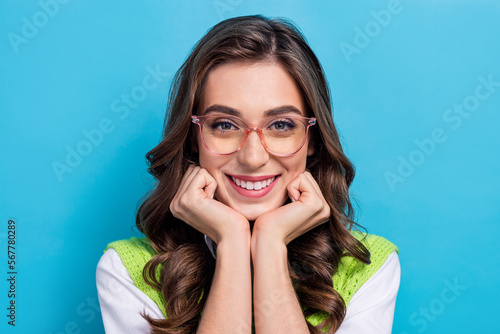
column 233, row 232
column 264, row 244
column 237, row 242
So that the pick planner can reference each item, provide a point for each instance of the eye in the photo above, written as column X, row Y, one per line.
column 223, row 124
column 282, row 125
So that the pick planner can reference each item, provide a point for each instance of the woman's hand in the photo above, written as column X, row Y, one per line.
column 307, row 210
column 276, row 307
column 194, row 204
column 229, row 303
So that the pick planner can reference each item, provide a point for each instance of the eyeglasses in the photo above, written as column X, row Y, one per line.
column 281, row 135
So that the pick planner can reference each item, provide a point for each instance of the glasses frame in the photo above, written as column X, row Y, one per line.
column 200, row 121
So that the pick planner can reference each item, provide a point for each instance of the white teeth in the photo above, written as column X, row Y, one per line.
column 258, row 185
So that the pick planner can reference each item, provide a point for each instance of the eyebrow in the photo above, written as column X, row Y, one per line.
column 270, row 112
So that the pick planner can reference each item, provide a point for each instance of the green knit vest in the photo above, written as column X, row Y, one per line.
column 350, row 276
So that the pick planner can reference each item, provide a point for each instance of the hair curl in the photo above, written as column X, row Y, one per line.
column 185, row 263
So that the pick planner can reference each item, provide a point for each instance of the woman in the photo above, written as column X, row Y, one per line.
column 249, row 224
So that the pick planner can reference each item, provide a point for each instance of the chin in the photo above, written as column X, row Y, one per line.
column 253, row 208
column 252, row 212
column 252, row 215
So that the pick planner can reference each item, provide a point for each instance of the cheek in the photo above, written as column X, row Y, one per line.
column 211, row 162
column 298, row 165
column 205, row 161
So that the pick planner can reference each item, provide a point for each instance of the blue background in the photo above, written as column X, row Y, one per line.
column 394, row 82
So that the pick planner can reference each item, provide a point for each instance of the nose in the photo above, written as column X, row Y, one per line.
column 253, row 154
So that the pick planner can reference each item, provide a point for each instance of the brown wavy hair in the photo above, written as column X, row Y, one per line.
column 184, row 261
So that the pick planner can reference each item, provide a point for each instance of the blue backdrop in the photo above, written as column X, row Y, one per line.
column 416, row 89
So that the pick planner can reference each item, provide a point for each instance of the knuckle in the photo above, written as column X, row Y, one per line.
column 318, row 206
column 184, row 202
column 174, row 209
column 205, row 173
column 326, row 211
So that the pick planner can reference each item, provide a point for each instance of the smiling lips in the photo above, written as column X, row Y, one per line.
column 253, row 186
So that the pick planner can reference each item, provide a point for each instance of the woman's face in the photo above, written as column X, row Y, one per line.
column 252, row 91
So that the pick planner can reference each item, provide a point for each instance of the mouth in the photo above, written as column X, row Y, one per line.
column 252, row 186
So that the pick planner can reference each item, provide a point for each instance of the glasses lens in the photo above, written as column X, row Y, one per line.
column 284, row 135
column 223, row 134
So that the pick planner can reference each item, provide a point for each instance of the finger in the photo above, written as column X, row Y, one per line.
column 301, row 186
column 293, row 189
column 326, row 207
column 211, row 184
column 187, row 174
column 205, row 182
column 188, row 178
column 183, row 186
column 314, row 183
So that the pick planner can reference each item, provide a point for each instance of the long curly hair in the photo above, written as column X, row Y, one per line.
column 183, row 260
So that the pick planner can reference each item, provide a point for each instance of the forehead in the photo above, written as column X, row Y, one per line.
column 251, row 90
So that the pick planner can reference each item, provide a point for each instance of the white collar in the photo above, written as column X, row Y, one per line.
column 212, row 246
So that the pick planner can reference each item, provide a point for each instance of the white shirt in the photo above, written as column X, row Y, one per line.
column 371, row 309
